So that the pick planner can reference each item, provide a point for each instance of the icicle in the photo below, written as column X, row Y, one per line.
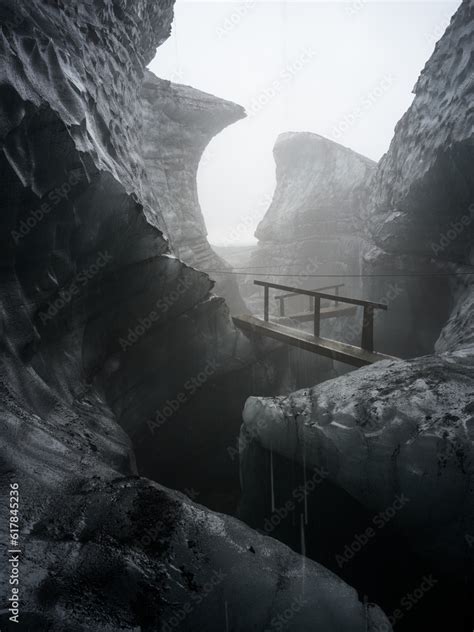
column 305, row 487
column 226, row 617
column 303, row 536
column 303, row 553
column 272, row 482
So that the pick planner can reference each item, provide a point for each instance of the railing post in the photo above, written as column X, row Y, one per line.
column 337, row 294
column 317, row 316
column 368, row 328
column 266, row 304
column 282, row 306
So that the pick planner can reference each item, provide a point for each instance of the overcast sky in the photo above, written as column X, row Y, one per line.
column 345, row 70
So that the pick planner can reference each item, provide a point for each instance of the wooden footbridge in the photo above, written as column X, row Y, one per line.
column 336, row 306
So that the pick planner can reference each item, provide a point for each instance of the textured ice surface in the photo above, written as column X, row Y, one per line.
column 421, row 209
column 319, row 184
column 103, row 549
column 314, row 224
column 178, row 124
column 402, row 427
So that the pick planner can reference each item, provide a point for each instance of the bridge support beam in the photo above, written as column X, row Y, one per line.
column 368, row 328
column 317, row 316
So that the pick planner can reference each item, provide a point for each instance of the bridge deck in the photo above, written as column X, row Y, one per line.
column 330, row 348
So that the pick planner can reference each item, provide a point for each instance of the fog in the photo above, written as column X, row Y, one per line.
column 342, row 70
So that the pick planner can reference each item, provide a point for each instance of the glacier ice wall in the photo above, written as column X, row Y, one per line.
column 178, row 124
column 94, row 315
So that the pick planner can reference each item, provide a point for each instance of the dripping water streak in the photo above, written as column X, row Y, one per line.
column 305, row 486
column 303, row 536
column 272, row 482
column 303, row 550
column 226, row 616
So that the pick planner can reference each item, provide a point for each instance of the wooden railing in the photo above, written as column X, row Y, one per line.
column 367, row 340
column 281, row 297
